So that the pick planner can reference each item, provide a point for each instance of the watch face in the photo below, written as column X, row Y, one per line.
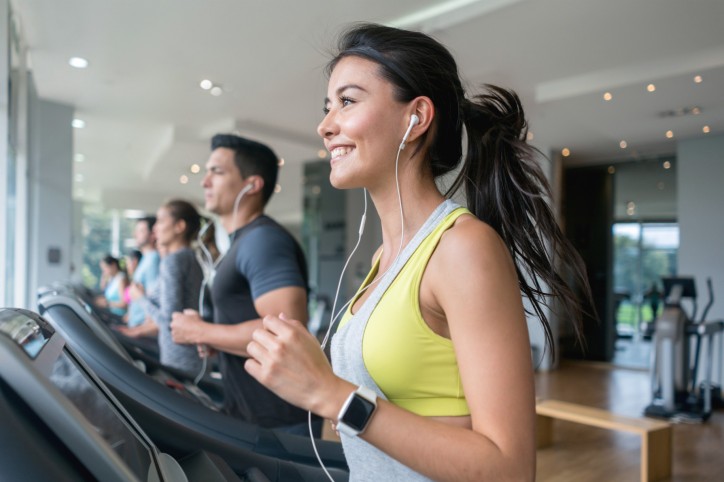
column 358, row 413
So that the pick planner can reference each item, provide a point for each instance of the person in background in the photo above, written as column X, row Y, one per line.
column 263, row 272
column 131, row 261
column 179, row 283
column 431, row 375
column 113, row 283
column 146, row 273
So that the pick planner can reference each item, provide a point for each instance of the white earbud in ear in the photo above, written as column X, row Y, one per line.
column 414, row 120
column 246, row 189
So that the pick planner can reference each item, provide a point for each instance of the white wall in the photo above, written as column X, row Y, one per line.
column 51, row 204
column 701, row 220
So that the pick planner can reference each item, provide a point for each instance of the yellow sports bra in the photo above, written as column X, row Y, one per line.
column 413, row 366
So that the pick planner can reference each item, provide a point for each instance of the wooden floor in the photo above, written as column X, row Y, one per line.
column 589, row 454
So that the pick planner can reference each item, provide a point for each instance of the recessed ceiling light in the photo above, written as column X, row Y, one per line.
column 705, row 129
column 669, row 134
column 281, row 161
column 611, row 169
column 206, row 84
column 184, row 179
column 666, row 165
column 623, row 144
column 79, row 157
column 322, row 153
column 216, row 91
column 697, row 79
column 78, row 62
column 278, row 188
column 529, row 136
column 195, row 168
column 566, row 152
column 651, row 87
column 78, row 123
column 695, row 110
column 607, row 96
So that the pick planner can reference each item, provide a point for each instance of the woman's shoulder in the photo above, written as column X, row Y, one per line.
column 470, row 242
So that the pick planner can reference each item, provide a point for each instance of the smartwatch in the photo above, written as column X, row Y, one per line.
column 357, row 411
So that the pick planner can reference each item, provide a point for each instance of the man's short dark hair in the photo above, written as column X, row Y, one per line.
column 149, row 220
column 252, row 158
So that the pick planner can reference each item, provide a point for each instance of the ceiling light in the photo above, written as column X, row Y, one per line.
column 695, row 110
column 669, row 134
column 529, row 136
column 281, row 161
column 667, row 165
column 611, row 169
column 216, row 91
column 195, row 168
column 278, row 188
column 607, row 96
column 623, row 144
column 705, row 129
column 206, row 84
column 79, row 157
column 566, row 152
column 184, row 179
column 78, row 124
column 697, row 79
column 78, row 62
column 651, row 87
column 322, row 153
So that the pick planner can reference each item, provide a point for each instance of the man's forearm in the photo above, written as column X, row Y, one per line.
column 231, row 339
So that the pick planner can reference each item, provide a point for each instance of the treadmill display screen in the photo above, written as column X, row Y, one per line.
column 108, row 422
column 25, row 332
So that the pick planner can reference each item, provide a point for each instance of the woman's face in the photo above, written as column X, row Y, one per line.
column 363, row 126
column 166, row 229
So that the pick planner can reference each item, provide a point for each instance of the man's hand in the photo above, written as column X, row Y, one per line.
column 187, row 327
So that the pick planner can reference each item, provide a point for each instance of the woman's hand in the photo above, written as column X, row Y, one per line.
column 287, row 359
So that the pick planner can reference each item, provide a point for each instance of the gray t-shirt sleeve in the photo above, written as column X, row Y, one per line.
column 269, row 260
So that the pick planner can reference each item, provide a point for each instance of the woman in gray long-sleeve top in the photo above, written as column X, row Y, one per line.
column 179, row 282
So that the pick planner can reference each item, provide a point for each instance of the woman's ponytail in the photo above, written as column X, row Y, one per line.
column 506, row 188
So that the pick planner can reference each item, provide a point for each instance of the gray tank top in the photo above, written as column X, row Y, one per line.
column 367, row 463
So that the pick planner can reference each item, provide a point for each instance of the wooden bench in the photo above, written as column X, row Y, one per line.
column 656, row 435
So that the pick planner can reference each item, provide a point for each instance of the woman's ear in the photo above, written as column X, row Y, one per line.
column 424, row 109
column 179, row 226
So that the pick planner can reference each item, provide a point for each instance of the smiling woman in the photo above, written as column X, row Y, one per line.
column 438, row 325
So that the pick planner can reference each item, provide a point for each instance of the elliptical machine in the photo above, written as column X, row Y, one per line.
column 673, row 372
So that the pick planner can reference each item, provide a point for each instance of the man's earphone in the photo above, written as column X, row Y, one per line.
column 245, row 189
column 414, row 120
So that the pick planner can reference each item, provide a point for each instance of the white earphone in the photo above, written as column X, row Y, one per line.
column 414, row 120
column 246, row 189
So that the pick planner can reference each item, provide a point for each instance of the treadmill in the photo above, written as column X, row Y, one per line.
column 61, row 423
column 176, row 414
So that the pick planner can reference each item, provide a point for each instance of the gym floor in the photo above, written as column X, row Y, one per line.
column 589, row 454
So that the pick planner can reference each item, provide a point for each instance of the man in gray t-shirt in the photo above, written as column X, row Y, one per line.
column 263, row 273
